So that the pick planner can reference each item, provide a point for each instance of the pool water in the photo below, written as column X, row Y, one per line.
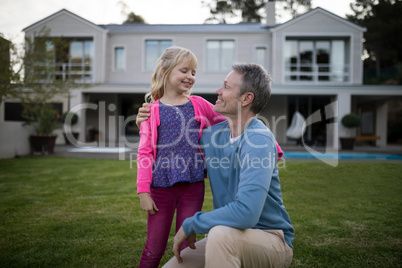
column 343, row 155
column 100, row 150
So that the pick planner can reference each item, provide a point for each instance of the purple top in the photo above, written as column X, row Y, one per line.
column 178, row 158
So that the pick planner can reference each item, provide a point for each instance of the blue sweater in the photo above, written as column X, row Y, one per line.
column 245, row 183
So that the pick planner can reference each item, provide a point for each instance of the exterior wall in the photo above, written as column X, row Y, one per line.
column 319, row 24
column 14, row 139
column 134, row 45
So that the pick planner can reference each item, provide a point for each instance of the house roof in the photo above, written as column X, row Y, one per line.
column 63, row 11
column 185, row 28
column 314, row 11
column 191, row 28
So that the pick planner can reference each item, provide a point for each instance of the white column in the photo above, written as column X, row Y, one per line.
column 344, row 107
column 381, row 124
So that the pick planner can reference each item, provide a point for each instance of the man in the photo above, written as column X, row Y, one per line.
column 249, row 226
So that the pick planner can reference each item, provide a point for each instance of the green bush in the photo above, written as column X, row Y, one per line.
column 351, row 120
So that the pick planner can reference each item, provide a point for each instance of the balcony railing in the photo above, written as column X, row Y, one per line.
column 80, row 73
column 76, row 71
column 318, row 73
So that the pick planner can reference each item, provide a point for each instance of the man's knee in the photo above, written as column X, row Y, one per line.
column 220, row 235
column 221, row 249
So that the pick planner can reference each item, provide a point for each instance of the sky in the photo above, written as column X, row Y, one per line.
column 15, row 15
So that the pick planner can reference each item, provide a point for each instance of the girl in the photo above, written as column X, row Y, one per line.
column 170, row 170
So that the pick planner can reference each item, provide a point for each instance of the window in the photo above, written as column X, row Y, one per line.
column 367, row 125
column 220, row 55
column 81, row 60
column 13, row 111
column 119, row 59
column 320, row 60
column 153, row 50
column 261, row 56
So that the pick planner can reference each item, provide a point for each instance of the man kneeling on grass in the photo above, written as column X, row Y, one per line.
column 249, row 226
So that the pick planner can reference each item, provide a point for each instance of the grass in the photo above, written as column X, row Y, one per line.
column 66, row 212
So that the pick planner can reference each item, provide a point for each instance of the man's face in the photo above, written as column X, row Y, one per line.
column 228, row 103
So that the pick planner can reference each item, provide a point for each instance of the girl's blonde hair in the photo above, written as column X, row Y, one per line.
column 165, row 64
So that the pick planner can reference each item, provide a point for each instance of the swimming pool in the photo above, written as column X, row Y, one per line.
column 343, row 155
column 100, row 150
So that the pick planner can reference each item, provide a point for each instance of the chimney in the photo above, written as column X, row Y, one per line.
column 270, row 11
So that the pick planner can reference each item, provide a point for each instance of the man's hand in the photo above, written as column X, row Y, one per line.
column 178, row 240
column 147, row 203
column 143, row 114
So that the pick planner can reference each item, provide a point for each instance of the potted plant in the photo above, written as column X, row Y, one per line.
column 44, row 120
column 349, row 121
column 69, row 119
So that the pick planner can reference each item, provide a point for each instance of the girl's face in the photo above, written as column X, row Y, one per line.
column 182, row 78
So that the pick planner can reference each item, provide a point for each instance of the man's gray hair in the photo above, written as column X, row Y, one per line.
column 257, row 81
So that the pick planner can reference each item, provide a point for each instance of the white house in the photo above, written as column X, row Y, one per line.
column 314, row 59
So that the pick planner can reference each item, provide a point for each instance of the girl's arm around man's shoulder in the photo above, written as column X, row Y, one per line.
column 206, row 111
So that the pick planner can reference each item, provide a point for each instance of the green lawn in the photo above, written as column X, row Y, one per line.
column 66, row 212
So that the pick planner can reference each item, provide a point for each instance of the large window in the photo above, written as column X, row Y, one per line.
column 67, row 58
column 153, row 50
column 220, row 55
column 119, row 59
column 320, row 60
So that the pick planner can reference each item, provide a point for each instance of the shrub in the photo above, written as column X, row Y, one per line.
column 351, row 120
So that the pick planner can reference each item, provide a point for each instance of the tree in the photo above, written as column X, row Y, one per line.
column 10, row 68
column 382, row 39
column 34, row 79
column 250, row 10
column 296, row 7
column 41, row 84
column 131, row 17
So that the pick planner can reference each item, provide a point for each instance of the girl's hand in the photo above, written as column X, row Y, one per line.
column 143, row 114
column 147, row 203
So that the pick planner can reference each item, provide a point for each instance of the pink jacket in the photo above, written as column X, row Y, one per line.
column 204, row 113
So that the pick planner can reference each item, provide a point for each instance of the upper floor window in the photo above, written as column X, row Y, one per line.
column 153, row 50
column 65, row 58
column 80, row 63
column 320, row 60
column 119, row 59
column 220, row 55
column 261, row 56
